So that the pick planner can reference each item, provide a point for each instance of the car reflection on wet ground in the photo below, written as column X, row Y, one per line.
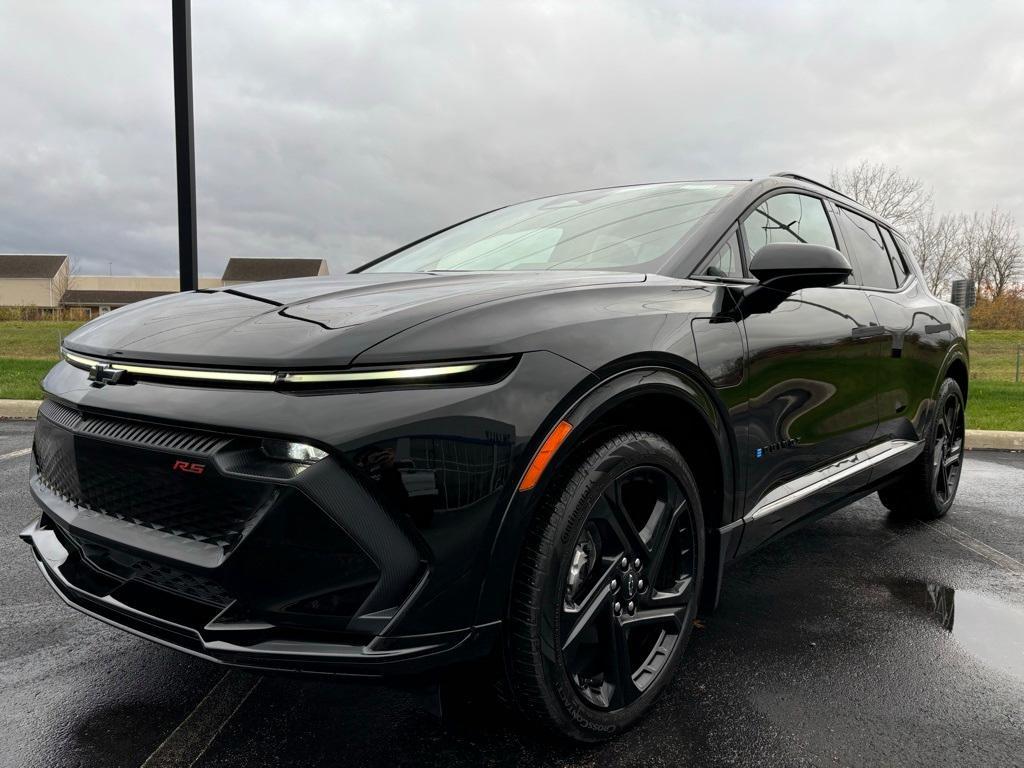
column 986, row 627
column 857, row 641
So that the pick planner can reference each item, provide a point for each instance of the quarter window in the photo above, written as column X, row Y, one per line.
column 867, row 250
column 788, row 218
column 899, row 267
column 726, row 260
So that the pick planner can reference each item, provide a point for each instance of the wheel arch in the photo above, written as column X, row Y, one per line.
column 631, row 393
column 956, row 369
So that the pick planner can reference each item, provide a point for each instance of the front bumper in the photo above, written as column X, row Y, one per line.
column 370, row 562
column 244, row 644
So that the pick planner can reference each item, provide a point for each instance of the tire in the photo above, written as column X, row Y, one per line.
column 594, row 637
column 926, row 489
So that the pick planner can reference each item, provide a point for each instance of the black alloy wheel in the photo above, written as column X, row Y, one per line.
column 926, row 488
column 629, row 585
column 947, row 453
column 604, row 607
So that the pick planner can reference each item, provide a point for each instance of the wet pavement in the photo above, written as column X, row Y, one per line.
column 856, row 641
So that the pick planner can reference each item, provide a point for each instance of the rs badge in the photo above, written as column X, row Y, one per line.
column 189, row 466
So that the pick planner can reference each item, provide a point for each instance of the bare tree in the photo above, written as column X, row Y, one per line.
column 991, row 253
column 938, row 245
column 985, row 248
column 1005, row 252
column 974, row 260
column 885, row 190
column 60, row 284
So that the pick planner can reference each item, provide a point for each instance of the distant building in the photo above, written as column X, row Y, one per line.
column 98, row 294
column 244, row 270
column 101, row 302
column 44, row 281
column 158, row 283
column 33, row 279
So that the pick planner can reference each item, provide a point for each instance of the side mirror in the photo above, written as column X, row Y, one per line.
column 792, row 266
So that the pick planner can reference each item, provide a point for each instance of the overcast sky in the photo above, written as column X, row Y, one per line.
column 341, row 130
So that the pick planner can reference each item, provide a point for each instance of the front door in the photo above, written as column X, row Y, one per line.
column 812, row 378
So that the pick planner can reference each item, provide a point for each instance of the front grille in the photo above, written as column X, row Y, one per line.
column 138, row 486
column 134, row 432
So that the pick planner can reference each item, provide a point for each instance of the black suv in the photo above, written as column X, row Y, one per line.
column 535, row 437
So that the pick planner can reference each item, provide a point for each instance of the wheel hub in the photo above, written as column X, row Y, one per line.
column 629, row 582
column 627, row 586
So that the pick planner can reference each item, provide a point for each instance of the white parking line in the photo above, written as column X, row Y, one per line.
column 187, row 743
column 15, row 454
column 978, row 547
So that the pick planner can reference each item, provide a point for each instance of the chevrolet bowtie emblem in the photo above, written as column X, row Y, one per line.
column 104, row 374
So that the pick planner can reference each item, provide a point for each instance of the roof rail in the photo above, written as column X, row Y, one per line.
column 809, row 180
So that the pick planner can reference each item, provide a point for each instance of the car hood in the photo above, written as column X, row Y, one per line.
column 305, row 323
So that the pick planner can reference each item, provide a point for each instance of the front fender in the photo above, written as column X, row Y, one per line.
column 585, row 414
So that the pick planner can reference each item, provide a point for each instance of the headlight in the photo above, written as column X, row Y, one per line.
column 300, row 453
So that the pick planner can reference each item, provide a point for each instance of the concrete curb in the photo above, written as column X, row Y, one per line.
column 18, row 409
column 977, row 439
column 994, row 440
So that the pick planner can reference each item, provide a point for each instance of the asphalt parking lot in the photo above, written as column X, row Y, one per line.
column 858, row 641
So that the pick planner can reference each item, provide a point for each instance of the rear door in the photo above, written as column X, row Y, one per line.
column 813, row 375
column 917, row 332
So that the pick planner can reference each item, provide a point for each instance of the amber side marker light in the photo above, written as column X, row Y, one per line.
column 543, row 457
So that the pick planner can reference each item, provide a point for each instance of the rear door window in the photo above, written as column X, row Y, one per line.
column 867, row 250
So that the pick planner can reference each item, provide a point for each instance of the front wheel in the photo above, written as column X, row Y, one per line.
column 926, row 488
column 607, row 587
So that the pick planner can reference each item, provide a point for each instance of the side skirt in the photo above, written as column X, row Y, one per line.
column 824, row 490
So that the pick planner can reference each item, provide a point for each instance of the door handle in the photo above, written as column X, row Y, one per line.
column 868, row 331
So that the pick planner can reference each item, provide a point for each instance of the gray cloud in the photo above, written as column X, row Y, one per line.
column 342, row 130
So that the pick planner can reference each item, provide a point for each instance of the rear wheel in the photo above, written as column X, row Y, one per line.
column 606, row 590
column 927, row 488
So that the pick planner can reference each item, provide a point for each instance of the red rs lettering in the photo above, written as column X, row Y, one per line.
column 191, row 467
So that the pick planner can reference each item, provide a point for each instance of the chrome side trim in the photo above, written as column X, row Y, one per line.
column 806, row 485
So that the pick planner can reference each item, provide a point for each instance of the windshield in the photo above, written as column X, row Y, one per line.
column 632, row 229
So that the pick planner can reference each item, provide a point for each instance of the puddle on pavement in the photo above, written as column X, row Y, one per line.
column 985, row 627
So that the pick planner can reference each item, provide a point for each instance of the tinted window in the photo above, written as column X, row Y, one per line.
column 867, row 250
column 899, row 268
column 788, row 218
column 628, row 228
column 726, row 260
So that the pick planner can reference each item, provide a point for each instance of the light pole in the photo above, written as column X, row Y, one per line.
column 184, row 140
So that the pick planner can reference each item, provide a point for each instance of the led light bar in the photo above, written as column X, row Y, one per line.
column 324, row 377
column 72, row 358
column 392, row 375
column 175, row 373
